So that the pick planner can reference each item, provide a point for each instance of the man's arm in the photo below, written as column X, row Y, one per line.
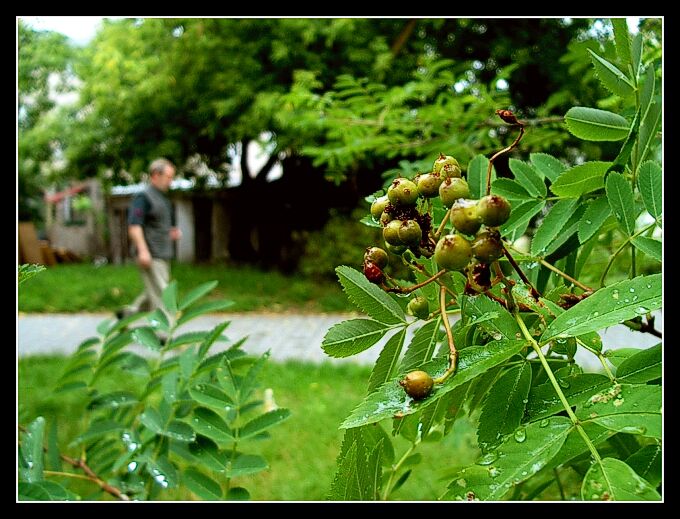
column 136, row 234
column 136, row 216
column 175, row 232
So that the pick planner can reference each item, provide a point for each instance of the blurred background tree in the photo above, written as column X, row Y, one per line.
column 355, row 101
column 44, row 72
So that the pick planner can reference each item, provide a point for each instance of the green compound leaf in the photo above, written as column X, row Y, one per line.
column 353, row 336
column 626, row 408
column 520, row 217
column 581, row 179
column 650, row 183
column 31, row 470
column 503, row 325
column 528, row 178
column 547, row 165
column 552, row 225
column 202, row 485
column 390, row 398
column 641, row 367
column 591, row 221
column 621, row 201
column 613, row 480
column 476, row 176
column 263, row 422
column 423, row 345
column 368, row 297
column 592, row 124
column 611, row 77
column 519, row 457
column 653, row 248
column 647, row 463
column 608, row 306
column 387, row 360
column 504, row 405
column 196, row 293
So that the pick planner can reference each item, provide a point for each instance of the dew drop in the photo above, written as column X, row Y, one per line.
column 640, row 488
column 615, row 294
column 589, row 222
column 595, row 314
column 132, row 466
column 488, row 459
column 520, row 435
column 494, row 472
column 544, row 423
column 631, row 290
column 641, row 310
column 563, row 383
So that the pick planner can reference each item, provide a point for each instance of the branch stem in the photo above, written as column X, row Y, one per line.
column 558, row 389
column 453, row 352
column 498, row 154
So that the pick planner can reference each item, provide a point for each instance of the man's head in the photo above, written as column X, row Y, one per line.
column 161, row 173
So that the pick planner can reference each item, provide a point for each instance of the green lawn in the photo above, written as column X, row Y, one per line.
column 76, row 288
column 301, row 451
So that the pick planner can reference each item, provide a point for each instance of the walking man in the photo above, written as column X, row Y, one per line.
column 151, row 227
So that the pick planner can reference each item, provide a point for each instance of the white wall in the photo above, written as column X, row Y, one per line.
column 185, row 221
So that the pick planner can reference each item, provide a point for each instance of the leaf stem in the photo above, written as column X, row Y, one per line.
column 558, row 389
column 601, row 358
column 395, row 469
column 523, row 277
column 559, row 484
column 442, row 225
column 66, row 474
column 453, row 353
column 501, row 152
column 632, row 261
column 629, row 239
column 408, row 290
column 565, row 275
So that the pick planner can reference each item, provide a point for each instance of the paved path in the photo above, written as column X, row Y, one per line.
column 293, row 336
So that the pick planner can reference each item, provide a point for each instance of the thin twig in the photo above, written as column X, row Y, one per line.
column 453, row 352
column 442, row 225
column 407, row 290
column 565, row 275
column 499, row 153
column 534, row 292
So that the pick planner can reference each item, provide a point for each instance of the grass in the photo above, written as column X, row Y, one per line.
column 301, row 451
column 86, row 288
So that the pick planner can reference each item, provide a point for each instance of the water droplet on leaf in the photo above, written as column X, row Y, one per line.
column 520, row 435
column 488, row 459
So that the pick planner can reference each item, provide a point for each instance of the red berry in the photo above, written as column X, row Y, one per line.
column 373, row 273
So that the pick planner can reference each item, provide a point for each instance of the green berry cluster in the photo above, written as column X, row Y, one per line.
column 474, row 238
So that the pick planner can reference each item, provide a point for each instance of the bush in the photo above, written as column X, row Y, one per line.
column 342, row 241
column 182, row 422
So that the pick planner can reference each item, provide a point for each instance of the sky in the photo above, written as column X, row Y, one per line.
column 81, row 29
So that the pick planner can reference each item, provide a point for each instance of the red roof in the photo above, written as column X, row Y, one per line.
column 53, row 198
